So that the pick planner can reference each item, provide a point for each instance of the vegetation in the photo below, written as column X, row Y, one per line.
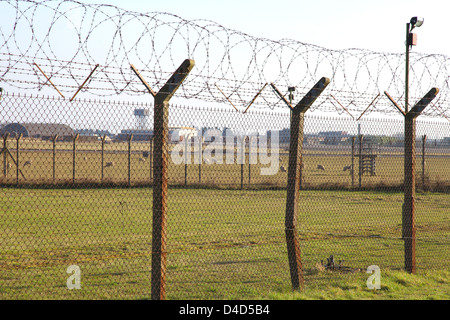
column 222, row 244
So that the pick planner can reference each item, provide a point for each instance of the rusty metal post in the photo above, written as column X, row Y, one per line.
column 353, row 162
column 74, row 140
column 293, row 185
column 103, row 158
column 5, row 155
column 408, row 216
column 424, row 140
column 186, row 159
column 249, row 161
column 408, row 223
column 242, row 161
column 160, row 167
column 54, row 158
column 361, row 137
column 151, row 158
column 17, row 157
column 130, row 137
column 200, row 159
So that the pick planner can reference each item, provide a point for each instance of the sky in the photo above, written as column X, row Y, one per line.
column 376, row 25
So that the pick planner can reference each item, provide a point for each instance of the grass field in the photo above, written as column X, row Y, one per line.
column 88, row 168
column 222, row 244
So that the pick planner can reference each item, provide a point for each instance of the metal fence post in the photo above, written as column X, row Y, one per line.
column 200, row 159
column 130, row 137
column 54, row 158
column 353, row 162
column 5, row 155
column 408, row 215
column 292, row 199
column 151, row 158
column 242, row 161
column 424, row 140
column 361, row 137
column 186, row 159
column 17, row 157
column 160, row 167
column 103, row 157
column 74, row 141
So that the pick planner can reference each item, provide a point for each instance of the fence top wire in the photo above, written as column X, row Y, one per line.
column 60, row 43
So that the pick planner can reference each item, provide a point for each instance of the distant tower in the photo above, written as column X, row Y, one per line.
column 141, row 118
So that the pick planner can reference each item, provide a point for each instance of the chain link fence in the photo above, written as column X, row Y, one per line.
column 77, row 197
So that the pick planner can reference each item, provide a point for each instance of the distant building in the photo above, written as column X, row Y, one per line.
column 45, row 131
column 334, row 137
column 446, row 141
column 138, row 135
column 94, row 133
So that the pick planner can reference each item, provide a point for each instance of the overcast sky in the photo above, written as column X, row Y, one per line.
column 377, row 25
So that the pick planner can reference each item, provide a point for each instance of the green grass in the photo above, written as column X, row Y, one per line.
column 88, row 168
column 222, row 244
column 395, row 285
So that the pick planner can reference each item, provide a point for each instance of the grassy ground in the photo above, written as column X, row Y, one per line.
column 222, row 244
column 88, row 169
column 395, row 285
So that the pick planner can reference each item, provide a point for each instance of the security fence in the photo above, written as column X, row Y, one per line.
column 78, row 196
column 246, row 192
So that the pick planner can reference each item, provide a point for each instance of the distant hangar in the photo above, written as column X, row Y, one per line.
column 43, row 131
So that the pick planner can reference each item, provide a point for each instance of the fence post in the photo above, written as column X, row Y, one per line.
column 103, row 157
column 200, row 159
column 242, row 161
column 151, row 158
column 361, row 137
column 160, row 167
column 408, row 215
column 353, row 162
column 185, row 159
column 5, row 155
column 17, row 157
column 424, row 140
column 54, row 158
column 130, row 137
column 292, row 199
column 249, row 161
column 74, row 140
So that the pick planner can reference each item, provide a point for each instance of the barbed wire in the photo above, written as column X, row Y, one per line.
column 61, row 43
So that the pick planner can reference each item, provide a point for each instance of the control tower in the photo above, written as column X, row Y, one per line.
column 142, row 116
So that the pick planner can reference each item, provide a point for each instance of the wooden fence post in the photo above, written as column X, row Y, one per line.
column 160, row 167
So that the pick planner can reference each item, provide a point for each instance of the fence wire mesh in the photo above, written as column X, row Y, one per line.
column 214, row 199
column 76, row 196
